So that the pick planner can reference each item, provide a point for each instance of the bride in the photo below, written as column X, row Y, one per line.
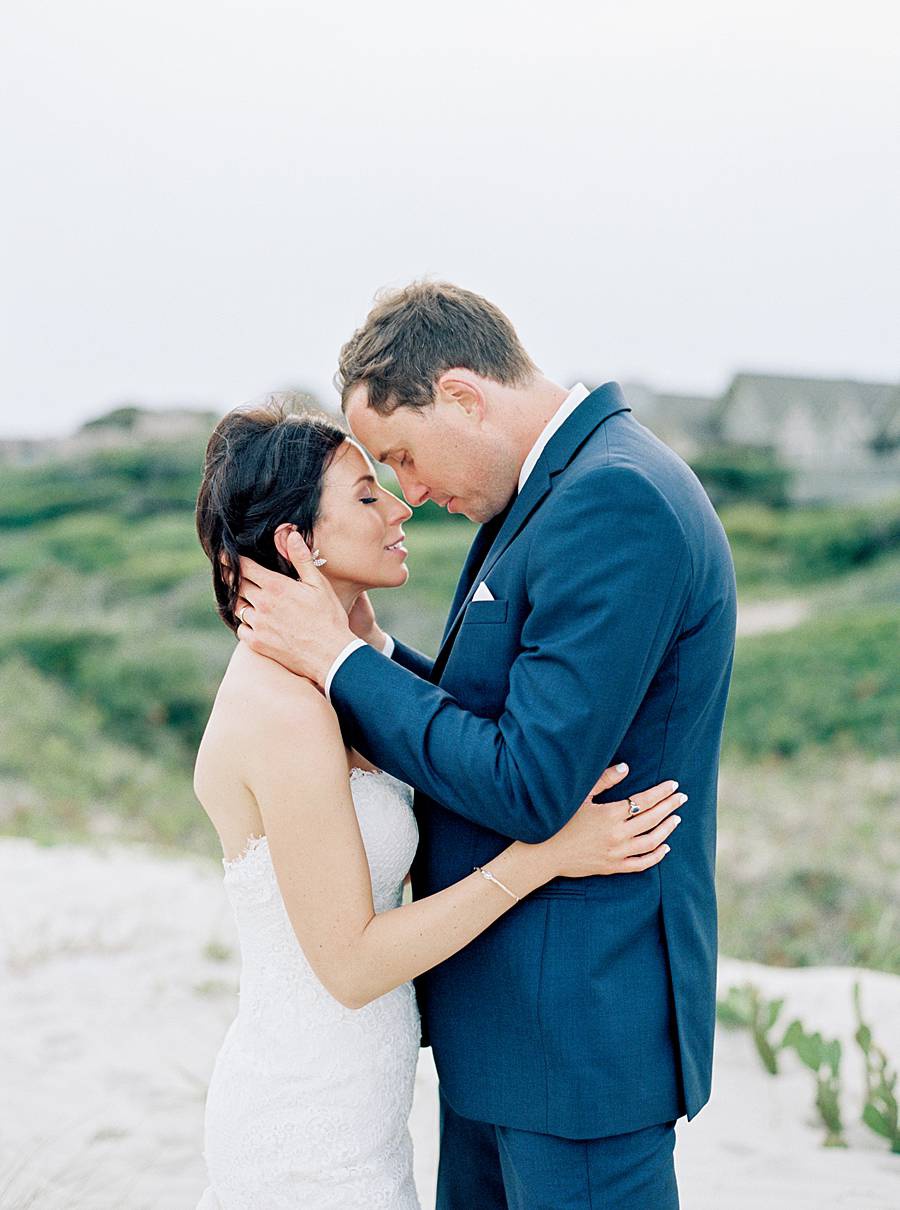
column 310, row 1096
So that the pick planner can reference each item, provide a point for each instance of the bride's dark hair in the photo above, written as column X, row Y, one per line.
column 264, row 466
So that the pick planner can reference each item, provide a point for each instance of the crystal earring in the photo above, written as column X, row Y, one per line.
column 317, row 562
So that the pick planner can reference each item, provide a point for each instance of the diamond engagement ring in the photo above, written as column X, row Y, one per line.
column 633, row 807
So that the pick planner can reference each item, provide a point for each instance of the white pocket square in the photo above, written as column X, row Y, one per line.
column 482, row 593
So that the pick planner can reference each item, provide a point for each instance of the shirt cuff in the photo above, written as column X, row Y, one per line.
column 344, row 655
column 388, row 648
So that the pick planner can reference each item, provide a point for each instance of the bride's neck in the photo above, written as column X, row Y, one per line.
column 347, row 594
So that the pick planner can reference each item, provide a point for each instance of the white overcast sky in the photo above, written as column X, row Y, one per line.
column 201, row 199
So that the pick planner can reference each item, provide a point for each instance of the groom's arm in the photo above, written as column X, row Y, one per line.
column 393, row 649
column 365, row 628
column 608, row 576
column 414, row 661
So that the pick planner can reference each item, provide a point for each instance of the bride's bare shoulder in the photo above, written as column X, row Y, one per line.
column 262, row 718
column 272, row 687
column 262, row 695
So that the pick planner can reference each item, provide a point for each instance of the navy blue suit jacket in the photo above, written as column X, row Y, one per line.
column 589, row 1008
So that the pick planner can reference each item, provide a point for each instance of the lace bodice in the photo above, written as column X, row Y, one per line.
column 388, row 827
column 309, row 1101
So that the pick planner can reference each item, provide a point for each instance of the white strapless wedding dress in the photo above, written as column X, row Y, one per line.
column 309, row 1102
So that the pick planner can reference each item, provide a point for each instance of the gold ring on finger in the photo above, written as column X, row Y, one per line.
column 243, row 623
column 633, row 807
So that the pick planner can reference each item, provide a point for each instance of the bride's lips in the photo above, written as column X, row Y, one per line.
column 397, row 548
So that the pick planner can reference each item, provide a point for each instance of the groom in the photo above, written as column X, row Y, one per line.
column 593, row 622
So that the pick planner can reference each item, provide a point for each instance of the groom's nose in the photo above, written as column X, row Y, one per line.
column 414, row 493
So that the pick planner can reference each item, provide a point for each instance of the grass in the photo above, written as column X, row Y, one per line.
column 808, row 853
column 778, row 550
column 830, row 682
column 62, row 778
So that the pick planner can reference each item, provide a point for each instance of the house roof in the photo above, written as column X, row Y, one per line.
column 685, row 411
column 879, row 402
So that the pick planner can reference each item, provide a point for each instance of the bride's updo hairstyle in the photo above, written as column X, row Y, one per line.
column 264, row 466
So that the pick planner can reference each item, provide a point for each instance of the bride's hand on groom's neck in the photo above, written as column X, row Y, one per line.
column 364, row 624
column 299, row 623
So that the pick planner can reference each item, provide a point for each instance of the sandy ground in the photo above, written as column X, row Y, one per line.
column 768, row 617
column 118, row 980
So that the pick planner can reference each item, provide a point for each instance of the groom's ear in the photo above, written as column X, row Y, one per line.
column 462, row 389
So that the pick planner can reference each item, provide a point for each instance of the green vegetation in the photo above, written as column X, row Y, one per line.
column 136, row 481
column 777, row 550
column 111, row 652
column 831, row 682
column 823, row 1058
column 740, row 474
column 745, row 1007
column 880, row 1112
column 808, row 852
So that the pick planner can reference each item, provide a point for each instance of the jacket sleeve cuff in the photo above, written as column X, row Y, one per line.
column 345, row 654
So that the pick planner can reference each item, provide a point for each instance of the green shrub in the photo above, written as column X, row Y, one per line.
column 59, row 650
column 734, row 474
column 158, row 682
column 135, row 482
column 63, row 779
column 85, row 541
column 801, row 546
column 831, row 681
column 125, row 417
column 150, row 572
column 31, row 495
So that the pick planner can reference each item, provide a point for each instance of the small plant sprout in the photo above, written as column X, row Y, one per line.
column 824, row 1061
column 746, row 1007
column 880, row 1110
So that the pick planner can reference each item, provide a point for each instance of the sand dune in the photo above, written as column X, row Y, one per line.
column 119, row 979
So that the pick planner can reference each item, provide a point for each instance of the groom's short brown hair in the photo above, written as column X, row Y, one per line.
column 413, row 334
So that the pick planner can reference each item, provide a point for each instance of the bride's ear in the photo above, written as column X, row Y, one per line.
column 281, row 537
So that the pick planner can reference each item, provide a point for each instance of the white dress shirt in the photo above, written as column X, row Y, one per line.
column 577, row 395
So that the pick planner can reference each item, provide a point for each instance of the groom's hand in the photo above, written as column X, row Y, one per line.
column 300, row 623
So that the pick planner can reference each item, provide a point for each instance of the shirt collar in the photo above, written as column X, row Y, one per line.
column 577, row 395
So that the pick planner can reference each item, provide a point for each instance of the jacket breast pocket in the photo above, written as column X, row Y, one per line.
column 478, row 668
column 478, row 612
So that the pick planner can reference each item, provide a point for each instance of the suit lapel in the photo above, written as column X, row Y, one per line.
column 481, row 544
column 606, row 401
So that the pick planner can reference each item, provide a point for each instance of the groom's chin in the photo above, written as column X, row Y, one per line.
column 455, row 507
column 480, row 516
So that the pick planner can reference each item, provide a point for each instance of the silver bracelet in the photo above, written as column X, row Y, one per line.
column 490, row 877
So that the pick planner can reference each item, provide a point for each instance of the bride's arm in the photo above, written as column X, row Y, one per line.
column 303, row 793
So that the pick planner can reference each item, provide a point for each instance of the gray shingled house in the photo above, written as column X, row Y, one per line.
column 839, row 438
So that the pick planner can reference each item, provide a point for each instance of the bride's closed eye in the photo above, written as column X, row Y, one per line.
column 368, row 500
